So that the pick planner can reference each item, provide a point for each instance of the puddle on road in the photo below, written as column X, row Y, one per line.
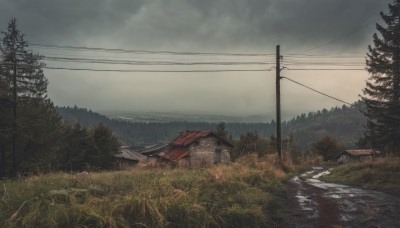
column 307, row 173
column 324, row 173
column 307, row 205
column 356, row 206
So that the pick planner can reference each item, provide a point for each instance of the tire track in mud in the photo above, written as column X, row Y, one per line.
column 309, row 207
column 327, row 207
column 314, row 203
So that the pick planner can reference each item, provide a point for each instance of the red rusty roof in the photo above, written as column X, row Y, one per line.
column 188, row 137
column 173, row 154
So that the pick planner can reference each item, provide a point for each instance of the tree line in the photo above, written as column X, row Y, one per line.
column 344, row 123
column 33, row 136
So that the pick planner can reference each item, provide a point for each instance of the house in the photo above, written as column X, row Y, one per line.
column 151, row 152
column 197, row 149
column 128, row 156
column 357, row 155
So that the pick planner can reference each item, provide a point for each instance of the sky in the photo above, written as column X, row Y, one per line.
column 312, row 34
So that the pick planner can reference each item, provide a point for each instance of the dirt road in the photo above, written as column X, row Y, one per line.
column 314, row 203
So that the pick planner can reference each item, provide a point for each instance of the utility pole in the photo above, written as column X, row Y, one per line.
column 278, row 102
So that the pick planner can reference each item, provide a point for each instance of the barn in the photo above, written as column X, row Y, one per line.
column 357, row 155
column 197, row 149
column 128, row 156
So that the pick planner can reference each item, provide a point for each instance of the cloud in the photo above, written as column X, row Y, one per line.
column 192, row 25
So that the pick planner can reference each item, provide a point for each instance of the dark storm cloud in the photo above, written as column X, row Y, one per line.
column 192, row 23
column 197, row 25
column 67, row 20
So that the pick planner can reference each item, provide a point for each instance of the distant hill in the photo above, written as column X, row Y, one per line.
column 344, row 123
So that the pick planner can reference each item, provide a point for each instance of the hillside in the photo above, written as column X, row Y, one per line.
column 382, row 174
column 345, row 124
column 247, row 194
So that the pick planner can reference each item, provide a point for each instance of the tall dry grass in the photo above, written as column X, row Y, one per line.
column 243, row 194
column 380, row 174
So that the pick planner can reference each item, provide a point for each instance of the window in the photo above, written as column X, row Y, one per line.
column 218, row 143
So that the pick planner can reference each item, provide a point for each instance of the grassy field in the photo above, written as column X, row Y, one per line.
column 243, row 194
column 381, row 174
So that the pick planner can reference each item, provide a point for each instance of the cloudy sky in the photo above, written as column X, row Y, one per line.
column 313, row 34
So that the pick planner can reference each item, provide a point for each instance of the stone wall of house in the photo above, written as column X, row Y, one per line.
column 203, row 152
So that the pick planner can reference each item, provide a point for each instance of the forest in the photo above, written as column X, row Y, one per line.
column 345, row 123
column 33, row 136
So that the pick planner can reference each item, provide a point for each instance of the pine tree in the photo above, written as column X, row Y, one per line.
column 105, row 146
column 21, row 70
column 28, row 120
column 382, row 92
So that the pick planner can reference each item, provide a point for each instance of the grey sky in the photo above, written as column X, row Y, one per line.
column 253, row 26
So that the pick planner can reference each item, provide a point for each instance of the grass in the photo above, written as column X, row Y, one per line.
column 244, row 194
column 381, row 174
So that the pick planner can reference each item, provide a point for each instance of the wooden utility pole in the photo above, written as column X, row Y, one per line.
column 278, row 102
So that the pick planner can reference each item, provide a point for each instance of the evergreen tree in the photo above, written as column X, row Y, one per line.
column 87, row 149
column 382, row 92
column 21, row 70
column 28, row 120
column 75, row 147
column 105, row 146
column 39, row 127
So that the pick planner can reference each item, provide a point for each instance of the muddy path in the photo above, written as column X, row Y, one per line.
column 314, row 203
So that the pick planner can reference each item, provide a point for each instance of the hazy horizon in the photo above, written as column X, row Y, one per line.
column 255, row 117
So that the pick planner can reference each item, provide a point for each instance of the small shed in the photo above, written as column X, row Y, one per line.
column 128, row 156
column 357, row 155
column 197, row 149
column 152, row 152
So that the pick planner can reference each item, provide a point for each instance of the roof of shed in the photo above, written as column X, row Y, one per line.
column 363, row 152
column 174, row 154
column 154, row 148
column 127, row 152
column 188, row 137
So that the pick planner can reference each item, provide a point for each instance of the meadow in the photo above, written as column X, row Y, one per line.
column 381, row 174
column 248, row 193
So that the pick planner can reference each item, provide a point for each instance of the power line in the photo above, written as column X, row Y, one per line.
column 316, row 91
column 326, row 54
column 141, row 57
column 348, row 64
column 144, row 51
column 344, row 36
column 326, row 69
column 131, row 62
column 154, row 71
